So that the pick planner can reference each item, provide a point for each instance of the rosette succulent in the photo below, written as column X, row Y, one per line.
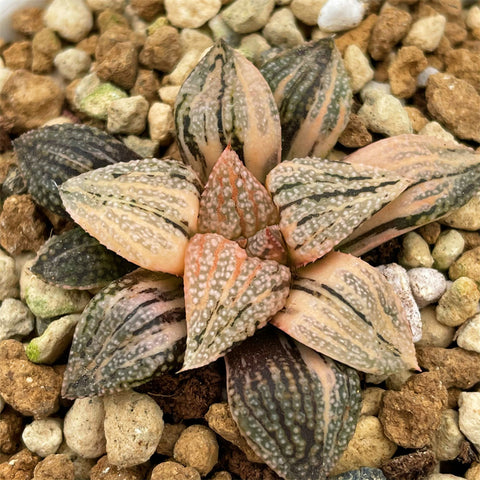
column 242, row 256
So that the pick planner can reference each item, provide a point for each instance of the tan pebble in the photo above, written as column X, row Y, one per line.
column 45, row 46
column 426, row 33
column 411, row 415
column 197, row 447
column 160, row 123
column 355, row 134
column 415, row 252
column 404, row 69
column 145, row 147
column 252, row 46
column 473, row 17
column 468, row 265
column 183, row 68
column 453, row 395
column 434, row 333
column 417, row 118
column 174, row 471
column 359, row 35
column 27, row 21
column 127, row 115
column 168, row 94
column 110, row 19
column 447, row 440
column 147, row 9
column 170, row 435
column 391, row 26
column 430, row 232
column 448, row 248
column 307, row 10
column 18, row 55
column 220, row 421
column 146, row 85
column 466, row 217
column 434, row 129
column 369, row 447
column 19, row 466
column 107, row 40
column 11, row 426
column 455, row 32
column 468, row 335
column 9, row 286
column 119, row 65
column 247, row 16
column 191, row 13
column 473, row 473
column 464, row 64
column 54, row 467
column 103, row 470
column 454, row 103
column 162, row 50
column 457, row 367
column 358, row 67
column 89, row 44
column 281, row 29
column 371, row 399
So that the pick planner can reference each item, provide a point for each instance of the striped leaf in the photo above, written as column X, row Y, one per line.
column 344, row 308
column 51, row 155
column 297, row 409
column 234, row 203
column 322, row 201
column 444, row 177
column 74, row 259
column 144, row 210
column 226, row 101
column 267, row 244
column 228, row 296
column 132, row 329
column 312, row 90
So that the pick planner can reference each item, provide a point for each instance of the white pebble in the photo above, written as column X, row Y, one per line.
column 127, row 115
column 133, row 427
column 358, row 67
column 426, row 33
column 339, row 15
column 83, row 427
column 71, row 19
column 9, row 279
column 161, row 123
column 16, row 320
column 422, row 78
column 191, row 13
column 473, row 17
column 72, row 63
column 427, row 285
column 397, row 277
column 469, row 416
column 468, row 335
column 43, row 437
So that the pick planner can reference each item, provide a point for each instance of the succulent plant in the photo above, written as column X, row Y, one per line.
column 254, row 249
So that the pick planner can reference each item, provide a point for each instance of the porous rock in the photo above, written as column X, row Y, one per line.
column 468, row 335
column 162, row 49
column 359, row 35
column 426, row 32
column 27, row 20
column 103, row 470
column 281, row 29
column 448, row 439
column 43, row 436
column 16, row 320
column 191, row 13
column 371, row 400
column 146, row 85
column 168, row 470
column 133, row 427
column 358, row 67
column 19, row 466
column 127, row 115
column 411, row 466
column 404, row 69
column 11, row 425
column 355, row 134
column 72, row 19
column 427, row 285
column 247, row 16
column 468, row 265
column 45, row 45
column 307, row 10
column 170, row 434
column 54, row 467
column 72, row 63
column 18, row 55
column 96, row 101
column 161, row 123
column 466, row 217
column 465, row 64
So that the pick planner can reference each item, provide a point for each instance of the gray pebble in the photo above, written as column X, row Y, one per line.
column 16, row 320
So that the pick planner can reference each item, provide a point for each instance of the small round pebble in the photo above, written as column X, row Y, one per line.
column 427, row 285
column 133, row 427
column 448, row 439
column 191, row 13
column 72, row 63
column 339, row 15
column 197, row 447
column 9, row 278
column 173, row 470
column 16, row 320
column 434, row 333
column 415, row 252
column 83, row 427
column 44, row 436
column 127, row 115
column 448, row 248
column 468, row 335
column 469, row 418
column 426, row 32
column 72, row 19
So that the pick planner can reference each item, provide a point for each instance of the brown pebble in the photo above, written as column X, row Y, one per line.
column 103, row 470
column 411, row 416
column 472, row 239
column 457, row 367
column 170, row 435
column 455, row 104
column 467, row 265
column 359, row 35
column 404, row 69
column 464, row 64
column 453, row 396
column 392, row 25
column 456, row 32
column 18, row 55
column 43, row 102
column 412, row 466
column 162, row 49
column 20, row 466
column 146, row 85
column 430, row 232
column 147, row 9
column 119, row 65
column 45, row 45
column 356, row 134
column 89, row 44
column 54, row 467
column 449, row 8
column 174, row 471
column 11, row 426
column 32, row 390
column 21, row 226
column 108, row 19
column 27, row 21
column 110, row 38
column 417, row 118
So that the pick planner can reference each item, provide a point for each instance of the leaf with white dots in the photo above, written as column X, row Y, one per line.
column 131, row 330
column 144, row 210
column 322, row 201
column 234, row 203
column 228, row 296
column 344, row 308
column 296, row 408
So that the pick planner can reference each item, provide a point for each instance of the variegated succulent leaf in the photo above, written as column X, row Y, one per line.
column 228, row 296
column 226, row 101
column 131, row 330
column 51, row 155
column 144, row 210
column 322, row 201
column 74, row 259
column 312, row 90
column 234, row 203
column 296, row 408
column 344, row 308
column 267, row 244
column 444, row 177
